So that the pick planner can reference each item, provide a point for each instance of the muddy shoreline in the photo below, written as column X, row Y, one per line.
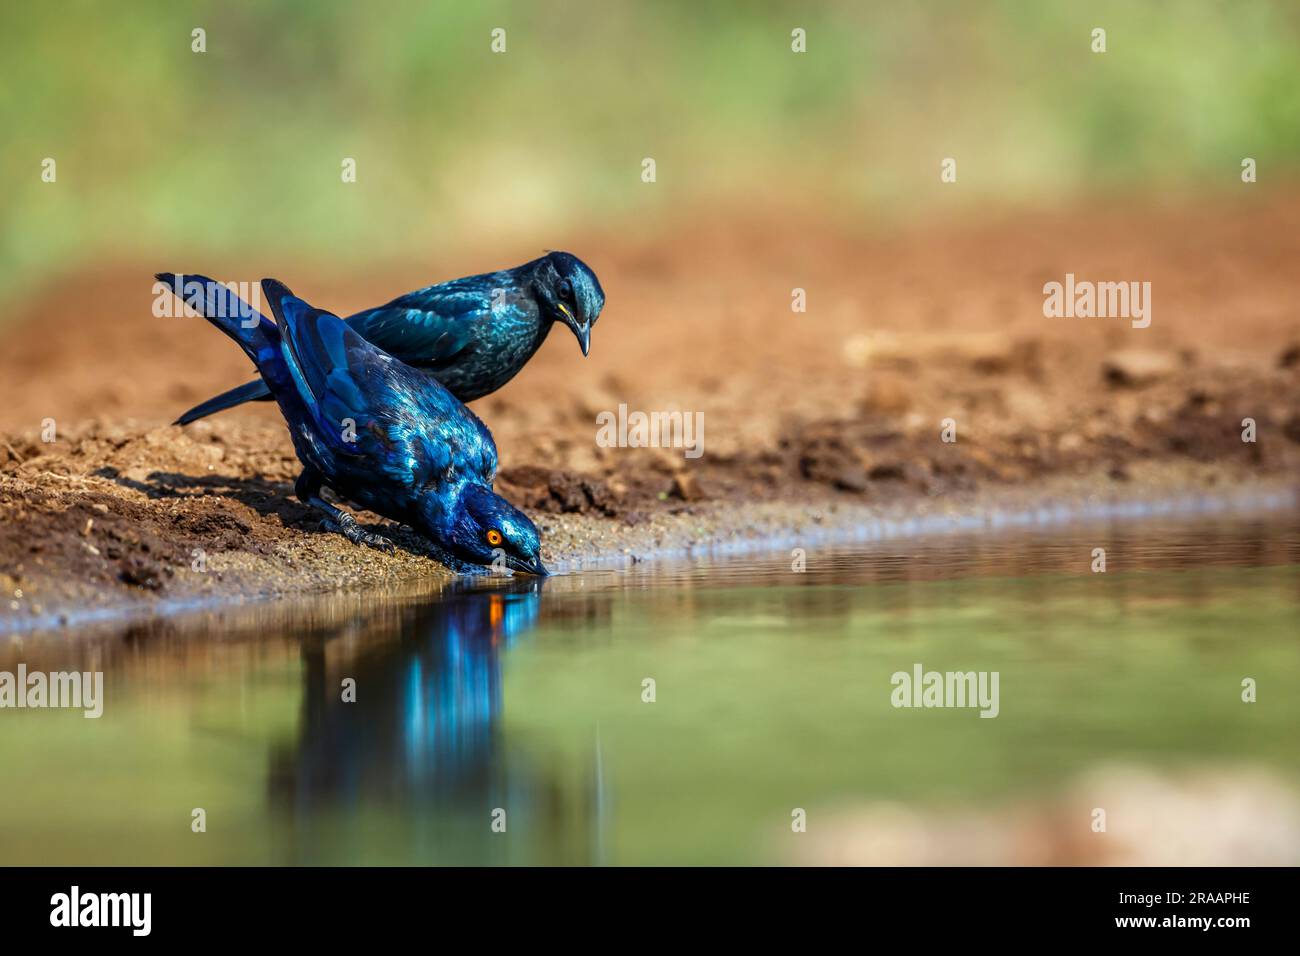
column 315, row 563
column 833, row 418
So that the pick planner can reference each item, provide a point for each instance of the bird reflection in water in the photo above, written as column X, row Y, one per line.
column 419, row 748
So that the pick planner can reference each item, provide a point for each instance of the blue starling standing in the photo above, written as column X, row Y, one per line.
column 473, row 335
column 379, row 433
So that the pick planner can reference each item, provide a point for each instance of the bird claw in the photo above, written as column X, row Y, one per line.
column 349, row 528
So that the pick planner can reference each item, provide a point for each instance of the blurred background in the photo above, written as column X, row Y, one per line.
column 163, row 152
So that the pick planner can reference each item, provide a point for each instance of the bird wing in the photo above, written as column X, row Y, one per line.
column 369, row 406
column 432, row 326
column 365, row 404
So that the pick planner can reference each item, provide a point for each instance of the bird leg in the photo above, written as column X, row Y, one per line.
column 307, row 489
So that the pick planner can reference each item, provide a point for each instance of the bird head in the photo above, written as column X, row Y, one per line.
column 484, row 524
column 570, row 293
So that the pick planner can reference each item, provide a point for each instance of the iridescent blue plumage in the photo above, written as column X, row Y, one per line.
column 473, row 335
column 379, row 433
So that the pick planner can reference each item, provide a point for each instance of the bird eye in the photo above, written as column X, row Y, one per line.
column 566, row 289
column 494, row 537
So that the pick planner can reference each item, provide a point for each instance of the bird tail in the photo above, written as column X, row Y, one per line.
column 255, row 391
column 254, row 332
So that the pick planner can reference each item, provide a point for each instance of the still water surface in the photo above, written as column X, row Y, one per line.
column 772, row 691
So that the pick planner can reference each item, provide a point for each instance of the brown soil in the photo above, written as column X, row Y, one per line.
column 811, row 418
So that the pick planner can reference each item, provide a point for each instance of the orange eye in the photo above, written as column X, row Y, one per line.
column 494, row 537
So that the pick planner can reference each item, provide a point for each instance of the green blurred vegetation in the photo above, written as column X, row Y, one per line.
column 165, row 152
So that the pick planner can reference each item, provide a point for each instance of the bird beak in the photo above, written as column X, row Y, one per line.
column 534, row 566
column 583, row 335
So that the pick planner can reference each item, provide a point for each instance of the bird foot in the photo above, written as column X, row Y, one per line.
column 348, row 527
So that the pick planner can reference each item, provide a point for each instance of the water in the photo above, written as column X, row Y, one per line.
column 772, row 695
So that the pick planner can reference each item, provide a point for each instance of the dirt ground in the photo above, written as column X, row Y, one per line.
column 811, row 418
